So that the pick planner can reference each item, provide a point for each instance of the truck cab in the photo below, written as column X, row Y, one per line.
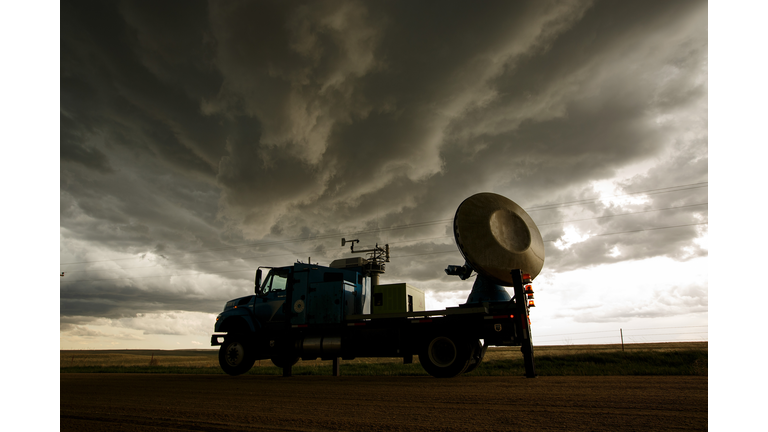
column 289, row 297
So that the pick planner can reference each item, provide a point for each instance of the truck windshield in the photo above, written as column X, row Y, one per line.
column 275, row 281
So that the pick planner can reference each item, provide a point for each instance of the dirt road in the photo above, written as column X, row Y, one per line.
column 158, row 402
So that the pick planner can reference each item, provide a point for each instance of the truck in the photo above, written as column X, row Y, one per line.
column 341, row 311
column 308, row 311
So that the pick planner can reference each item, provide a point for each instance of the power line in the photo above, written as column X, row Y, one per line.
column 628, row 329
column 397, row 242
column 280, row 242
column 665, row 334
column 161, row 276
column 636, row 336
column 194, row 262
column 396, row 257
column 594, row 200
column 641, row 230
column 622, row 214
column 413, row 225
column 596, row 235
column 233, row 259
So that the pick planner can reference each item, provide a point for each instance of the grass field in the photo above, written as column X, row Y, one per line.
column 686, row 358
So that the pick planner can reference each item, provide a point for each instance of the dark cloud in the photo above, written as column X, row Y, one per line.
column 210, row 137
column 74, row 147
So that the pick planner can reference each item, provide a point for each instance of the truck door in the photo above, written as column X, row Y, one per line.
column 268, row 308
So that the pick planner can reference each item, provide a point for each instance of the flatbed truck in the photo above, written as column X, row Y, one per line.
column 307, row 311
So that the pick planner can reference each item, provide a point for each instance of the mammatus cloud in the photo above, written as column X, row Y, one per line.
column 200, row 140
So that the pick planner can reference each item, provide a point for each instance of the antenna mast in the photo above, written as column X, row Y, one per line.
column 377, row 256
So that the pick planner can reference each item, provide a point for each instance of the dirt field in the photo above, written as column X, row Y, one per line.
column 160, row 402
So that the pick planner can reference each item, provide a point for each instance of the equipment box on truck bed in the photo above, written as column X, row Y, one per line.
column 399, row 297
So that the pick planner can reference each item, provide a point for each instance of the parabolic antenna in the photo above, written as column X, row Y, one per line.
column 495, row 235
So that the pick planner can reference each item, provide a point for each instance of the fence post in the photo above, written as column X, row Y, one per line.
column 621, row 331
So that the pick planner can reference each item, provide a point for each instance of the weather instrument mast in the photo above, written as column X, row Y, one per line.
column 377, row 256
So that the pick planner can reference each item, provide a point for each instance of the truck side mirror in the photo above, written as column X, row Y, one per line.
column 258, row 281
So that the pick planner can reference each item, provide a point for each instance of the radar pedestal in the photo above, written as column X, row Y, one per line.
column 486, row 290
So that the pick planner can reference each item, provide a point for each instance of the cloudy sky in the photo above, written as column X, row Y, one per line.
column 201, row 140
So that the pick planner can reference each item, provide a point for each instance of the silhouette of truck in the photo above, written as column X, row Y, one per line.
column 341, row 312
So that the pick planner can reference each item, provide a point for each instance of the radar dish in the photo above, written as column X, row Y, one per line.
column 495, row 236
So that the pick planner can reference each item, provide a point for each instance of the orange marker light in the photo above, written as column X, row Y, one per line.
column 530, row 303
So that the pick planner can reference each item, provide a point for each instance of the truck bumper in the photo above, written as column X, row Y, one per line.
column 217, row 339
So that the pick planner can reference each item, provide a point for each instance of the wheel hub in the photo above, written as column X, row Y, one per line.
column 442, row 352
column 235, row 354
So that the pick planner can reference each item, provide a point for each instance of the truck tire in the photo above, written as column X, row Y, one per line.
column 445, row 356
column 236, row 355
column 478, row 352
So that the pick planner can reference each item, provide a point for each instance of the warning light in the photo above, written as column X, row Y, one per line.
column 530, row 296
column 530, row 303
column 529, row 289
column 526, row 278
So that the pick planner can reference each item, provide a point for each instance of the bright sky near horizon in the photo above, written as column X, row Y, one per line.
column 199, row 141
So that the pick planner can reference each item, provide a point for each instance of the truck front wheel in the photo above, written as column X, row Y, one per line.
column 236, row 355
column 446, row 356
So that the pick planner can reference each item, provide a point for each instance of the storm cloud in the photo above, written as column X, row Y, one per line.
column 200, row 140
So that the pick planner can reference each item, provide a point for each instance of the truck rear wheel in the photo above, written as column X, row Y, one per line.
column 236, row 355
column 478, row 352
column 445, row 356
